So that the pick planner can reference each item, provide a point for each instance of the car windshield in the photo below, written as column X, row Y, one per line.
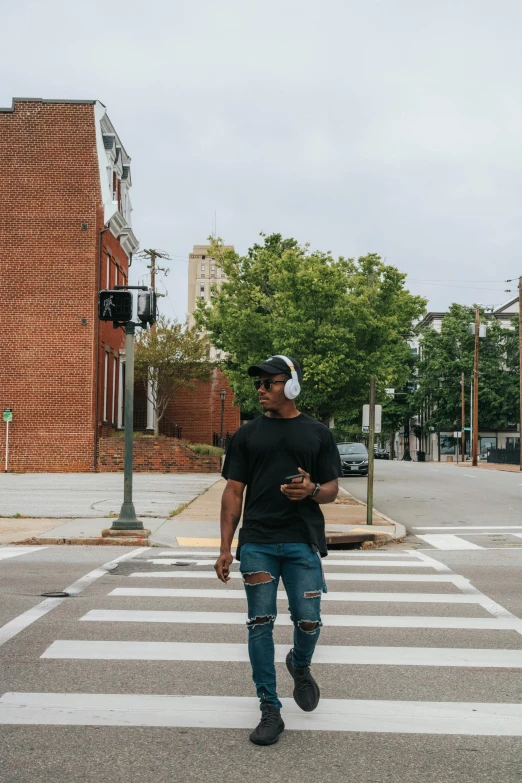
column 351, row 448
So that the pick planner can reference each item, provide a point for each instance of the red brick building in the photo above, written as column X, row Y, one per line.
column 65, row 233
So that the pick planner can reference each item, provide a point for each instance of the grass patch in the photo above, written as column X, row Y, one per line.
column 17, row 516
column 179, row 509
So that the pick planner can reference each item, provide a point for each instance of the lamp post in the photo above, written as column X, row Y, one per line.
column 223, row 396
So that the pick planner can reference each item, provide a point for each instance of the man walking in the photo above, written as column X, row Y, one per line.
column 289, row 464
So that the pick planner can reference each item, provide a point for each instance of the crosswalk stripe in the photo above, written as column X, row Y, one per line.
column 463, row 528
column 420, row 598
column 329, row 620
column 449, row 542
column 329, row 654
column 338, row 553
column 326, row 562
column 336, row 577
column 14, row 551
column 236, row 712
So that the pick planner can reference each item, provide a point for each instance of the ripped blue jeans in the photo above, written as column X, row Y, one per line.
column 301, row 571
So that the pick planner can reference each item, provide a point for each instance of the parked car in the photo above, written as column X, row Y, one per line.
column 380, row 453
column 354, row 459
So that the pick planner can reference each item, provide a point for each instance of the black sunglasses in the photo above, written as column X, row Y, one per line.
column 267, row 384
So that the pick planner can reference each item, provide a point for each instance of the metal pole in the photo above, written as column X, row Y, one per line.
column 127, row 519
column 6, row 444
column 476, row 388
column 463, row 420
column 471, row 419
column 520, row 362
column 222, row 420
column 371, row 436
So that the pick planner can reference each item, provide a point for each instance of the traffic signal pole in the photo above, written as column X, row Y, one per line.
column 127, row 519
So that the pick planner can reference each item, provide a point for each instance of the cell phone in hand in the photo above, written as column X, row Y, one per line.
column 297, row 478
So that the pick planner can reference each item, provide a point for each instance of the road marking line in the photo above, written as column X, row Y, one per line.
column 237, row 712
column 329, row 620
column 331, row 575
column 21, row 622
column 16, row 551
column 430, row 561
column 79, row 649
column 335, row 552
column 326, row 562
column 449, row 542
column 239, row 594
column 469, row 475
column 463, row 529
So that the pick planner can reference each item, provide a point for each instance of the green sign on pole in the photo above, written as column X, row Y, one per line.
column 8, row 414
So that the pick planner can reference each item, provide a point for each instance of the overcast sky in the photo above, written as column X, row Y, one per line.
column 387, row 126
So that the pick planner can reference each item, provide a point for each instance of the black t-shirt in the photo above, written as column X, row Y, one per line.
column 261, row 454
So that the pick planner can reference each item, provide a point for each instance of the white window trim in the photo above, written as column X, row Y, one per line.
column 108, row 275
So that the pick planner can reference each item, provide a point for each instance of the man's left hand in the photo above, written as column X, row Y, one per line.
column 299, row 490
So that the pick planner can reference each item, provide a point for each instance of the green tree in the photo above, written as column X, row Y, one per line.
column 343, row 319
column 445, row 355
column 167, row 358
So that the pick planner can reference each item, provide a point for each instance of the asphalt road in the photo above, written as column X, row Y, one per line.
column 432, row 494
column 86, row 692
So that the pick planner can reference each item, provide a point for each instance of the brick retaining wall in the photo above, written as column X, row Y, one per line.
column 161, row 454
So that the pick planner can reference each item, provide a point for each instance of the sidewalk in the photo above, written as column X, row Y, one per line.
column 195, row 523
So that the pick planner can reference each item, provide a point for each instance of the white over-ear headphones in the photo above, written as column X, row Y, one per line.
column 292, row 387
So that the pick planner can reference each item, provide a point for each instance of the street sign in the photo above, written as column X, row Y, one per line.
column 8, row 414
column 366, row 418
column 390, row 392
column 115, row 306
column 467, row 429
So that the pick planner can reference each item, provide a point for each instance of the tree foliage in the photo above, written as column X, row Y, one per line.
column 167, row 358
column 343, row 319
column 445, row 355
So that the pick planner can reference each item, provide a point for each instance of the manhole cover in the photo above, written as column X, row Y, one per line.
column 56, row 594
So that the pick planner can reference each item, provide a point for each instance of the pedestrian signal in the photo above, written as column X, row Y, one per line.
column 147, row 307
column 115, row 306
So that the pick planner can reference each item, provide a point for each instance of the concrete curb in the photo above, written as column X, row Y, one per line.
column 99, row 541
column 399, row 531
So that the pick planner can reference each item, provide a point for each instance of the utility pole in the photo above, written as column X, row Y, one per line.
column 150, row 255
column 475, row 387
column 371, row 456
column 463, row 420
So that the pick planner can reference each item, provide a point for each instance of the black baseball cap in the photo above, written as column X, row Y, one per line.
column 275, row 365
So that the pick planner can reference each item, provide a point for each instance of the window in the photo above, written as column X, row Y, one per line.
column 202, row 290
column 114, row 381
column 203, row 257
column 105, row 383
column 202, row 267
column 512, row 443
column 212, row 271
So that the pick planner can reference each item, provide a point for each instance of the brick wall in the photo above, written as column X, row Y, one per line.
column 198, row 412
column 165, row 455
column 51, row 216
column 50, row 186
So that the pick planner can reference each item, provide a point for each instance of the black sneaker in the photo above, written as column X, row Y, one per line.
column 306, row 690
column 269, row 727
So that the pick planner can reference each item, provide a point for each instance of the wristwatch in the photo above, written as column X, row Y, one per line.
column 316, row 490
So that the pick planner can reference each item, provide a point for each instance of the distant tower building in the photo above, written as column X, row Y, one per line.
column 203, row 272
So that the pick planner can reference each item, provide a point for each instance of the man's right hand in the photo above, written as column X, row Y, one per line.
column 222, row 566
